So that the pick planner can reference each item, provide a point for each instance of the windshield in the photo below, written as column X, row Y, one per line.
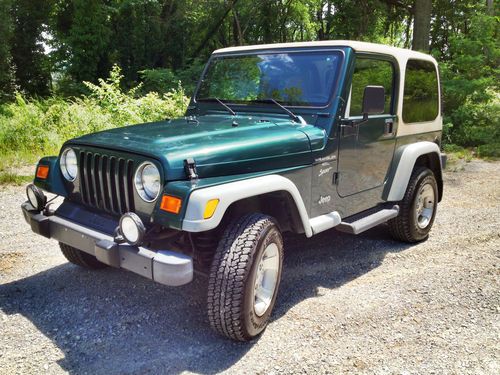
column 293, row 78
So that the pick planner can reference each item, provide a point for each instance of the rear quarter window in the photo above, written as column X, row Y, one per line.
column 421, row 94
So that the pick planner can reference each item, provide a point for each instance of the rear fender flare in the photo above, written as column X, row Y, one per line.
column 403, row 163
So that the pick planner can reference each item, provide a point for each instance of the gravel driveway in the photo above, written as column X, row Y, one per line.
column 347, row 304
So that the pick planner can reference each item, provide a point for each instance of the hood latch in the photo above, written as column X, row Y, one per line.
column 190, row 168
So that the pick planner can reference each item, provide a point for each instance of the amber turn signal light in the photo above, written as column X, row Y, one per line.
column 210, row 208
column 171, row 204
column 42, row 171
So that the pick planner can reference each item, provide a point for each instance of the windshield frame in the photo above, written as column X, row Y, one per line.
column 333, row 92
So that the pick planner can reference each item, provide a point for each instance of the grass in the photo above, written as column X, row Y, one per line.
column 456, row 153
column 10, row 178
column 32, row 128
column 17, row 168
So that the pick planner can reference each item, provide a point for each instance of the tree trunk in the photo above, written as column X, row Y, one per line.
column 422, row 25
column 491, row 7
column 267, row 21
column 237, row 34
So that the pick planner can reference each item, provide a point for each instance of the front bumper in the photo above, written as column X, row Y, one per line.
column 163, row 266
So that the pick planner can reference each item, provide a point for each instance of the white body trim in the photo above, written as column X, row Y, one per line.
column 324, row 222
column 234, row 191
column 405, row 167
column 358, row 46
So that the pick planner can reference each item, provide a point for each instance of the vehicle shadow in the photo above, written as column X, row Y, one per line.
column 113, row 321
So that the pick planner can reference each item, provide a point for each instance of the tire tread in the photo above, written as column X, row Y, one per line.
column 229, row 271
column 80, row 258
column 400, row 226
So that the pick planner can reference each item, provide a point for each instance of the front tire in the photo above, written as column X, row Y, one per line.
column 417, row 209
column 80, row 258
column 245, row 276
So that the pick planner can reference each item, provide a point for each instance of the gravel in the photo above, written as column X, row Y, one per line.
column 347, row 304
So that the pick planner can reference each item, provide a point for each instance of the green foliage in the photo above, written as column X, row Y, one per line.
column 83, row 33
column 39, row 127
column 160, row 43
column 7, row 84
column 12, row 178
column 471, row 87
column 138, row 36
column 31, row 65
column 158, row 80
column 165, row 80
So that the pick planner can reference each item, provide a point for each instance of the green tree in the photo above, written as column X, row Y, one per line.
column 7, row 82
column 32, row 66
column 83, row 31
column 138, row 40
column 470, row 84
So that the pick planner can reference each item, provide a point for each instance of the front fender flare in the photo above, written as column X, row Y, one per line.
column 234, row 191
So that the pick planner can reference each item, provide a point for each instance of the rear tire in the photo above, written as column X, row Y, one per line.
column 245, row 276
column 417, row 209
column 80, row 258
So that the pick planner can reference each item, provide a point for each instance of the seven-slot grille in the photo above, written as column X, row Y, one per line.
column 106, row 182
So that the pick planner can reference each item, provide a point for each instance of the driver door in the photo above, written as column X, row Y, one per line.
column 366, row 149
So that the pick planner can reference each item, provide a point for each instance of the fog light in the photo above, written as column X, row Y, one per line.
column 132, row 228
column 36, row 198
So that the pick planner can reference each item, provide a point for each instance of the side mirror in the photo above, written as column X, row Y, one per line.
column 373, row 100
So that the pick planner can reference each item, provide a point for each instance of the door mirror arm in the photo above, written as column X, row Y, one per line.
column 352, row 123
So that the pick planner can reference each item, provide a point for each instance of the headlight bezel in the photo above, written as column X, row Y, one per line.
column 63, row 164
column 139, row 182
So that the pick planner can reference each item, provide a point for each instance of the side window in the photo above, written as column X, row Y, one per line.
column 374, row 73
column 421, row 94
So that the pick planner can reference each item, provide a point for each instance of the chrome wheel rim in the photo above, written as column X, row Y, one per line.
column 266, row 279
column 424, row 207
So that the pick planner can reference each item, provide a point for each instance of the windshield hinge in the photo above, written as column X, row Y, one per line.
column 190, row 168
column 335, row 179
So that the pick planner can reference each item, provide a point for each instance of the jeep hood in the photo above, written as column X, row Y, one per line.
column 218, row 146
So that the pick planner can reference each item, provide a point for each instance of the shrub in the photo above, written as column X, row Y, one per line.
column 36, row 127
column 470, row 88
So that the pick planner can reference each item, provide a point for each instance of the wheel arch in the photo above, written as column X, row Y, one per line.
column 405, row 160
column 278, row 204
column 259, row 194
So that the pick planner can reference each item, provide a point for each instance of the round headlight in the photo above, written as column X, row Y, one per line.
column 147, row 181
column 69, row 166
column 132, row 228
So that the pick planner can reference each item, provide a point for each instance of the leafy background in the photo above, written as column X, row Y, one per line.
column 69, row 67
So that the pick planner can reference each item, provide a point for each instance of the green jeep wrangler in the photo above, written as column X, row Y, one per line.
column 298, row 137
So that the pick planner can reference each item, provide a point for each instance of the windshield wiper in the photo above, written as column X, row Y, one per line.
column 271, row 100
column 220, row 102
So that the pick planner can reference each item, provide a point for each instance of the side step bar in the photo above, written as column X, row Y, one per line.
column 369, row 221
